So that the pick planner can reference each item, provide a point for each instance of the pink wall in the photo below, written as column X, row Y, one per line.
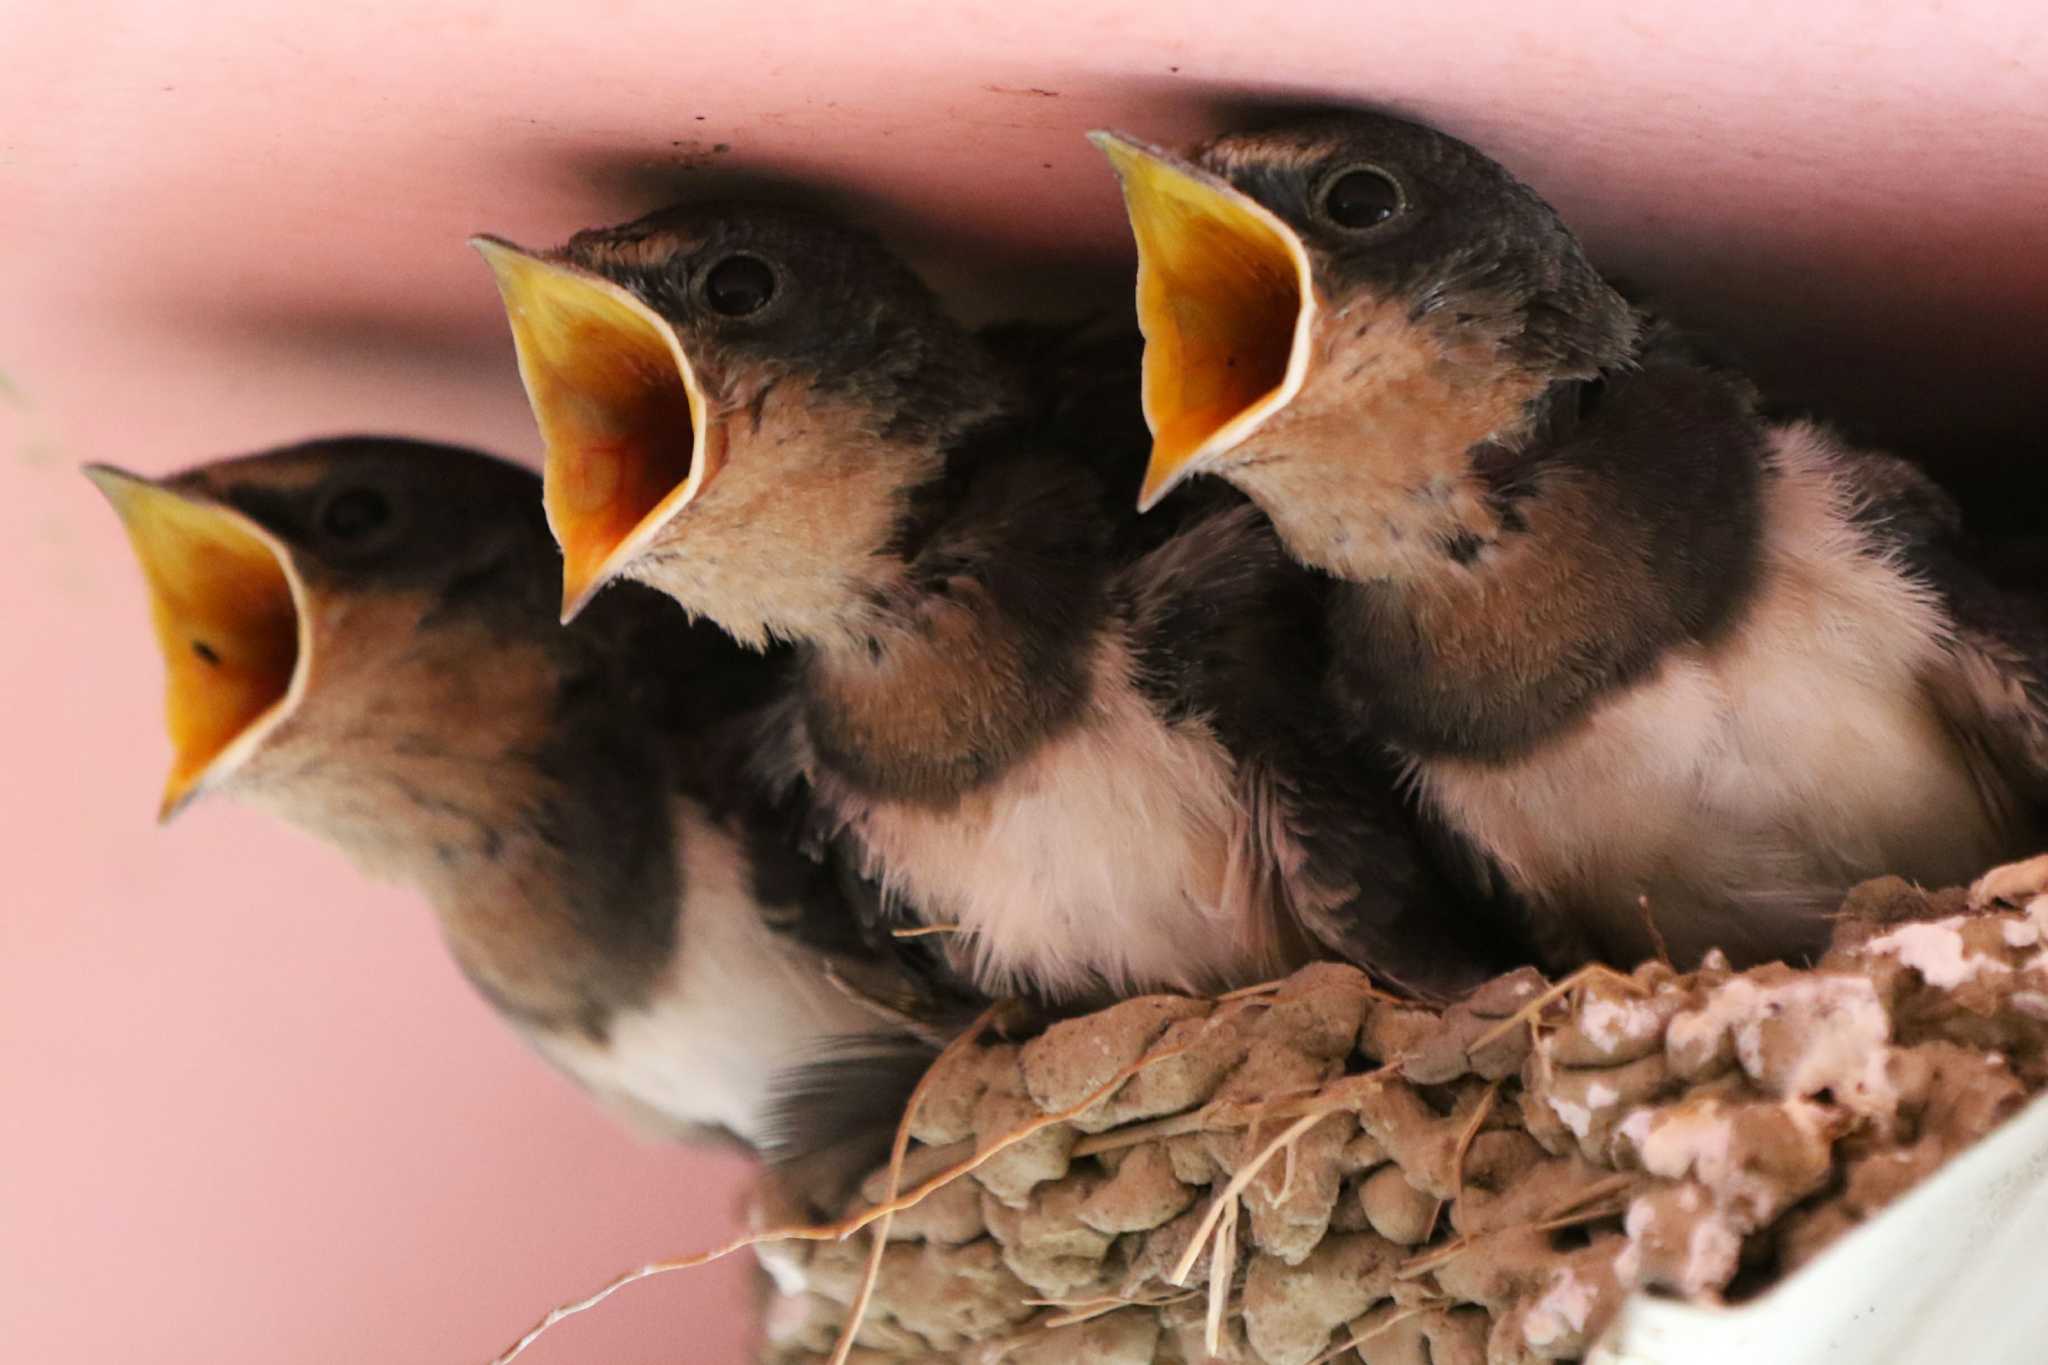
column 250, row 1113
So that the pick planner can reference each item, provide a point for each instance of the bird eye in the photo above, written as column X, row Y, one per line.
column 739, row 285
column 354, row 515
column 1362, row 197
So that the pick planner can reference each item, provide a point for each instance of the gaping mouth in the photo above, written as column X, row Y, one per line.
column 620, row 412
column 225, row 604
column 1225, row 302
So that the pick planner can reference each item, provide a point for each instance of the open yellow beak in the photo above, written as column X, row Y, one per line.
column 225, row 603
column 620, row 412
column 1226, row 304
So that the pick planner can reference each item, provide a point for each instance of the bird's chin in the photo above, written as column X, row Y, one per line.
column 1225, row 302
column 227, row 609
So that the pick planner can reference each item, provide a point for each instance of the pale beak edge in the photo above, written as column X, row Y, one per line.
column 622, row 416
column 1226, row 300
column 228, row 609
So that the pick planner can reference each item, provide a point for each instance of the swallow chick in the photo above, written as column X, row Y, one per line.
column 1682, row 672
column 360, row 635
column 1076, row 740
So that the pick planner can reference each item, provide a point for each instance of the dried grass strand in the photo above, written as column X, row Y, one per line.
column 649, row 1271
column 1458, row 1246
column 1237, row 1186
column 843, row 1228
column 1656, row 935
column 1414, row 1311
column 895, row 1015
column 1533, row 1008
column 1598, row 1190
column 1210, row 1118
column 1287, row 1166
column 1222, row 1266
column 1480, row 1111
column 1087, row 1310
column 871, row 1272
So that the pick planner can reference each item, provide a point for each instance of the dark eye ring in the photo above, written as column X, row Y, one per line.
column 1360, row 198
column 354, row 515
column 739, row 285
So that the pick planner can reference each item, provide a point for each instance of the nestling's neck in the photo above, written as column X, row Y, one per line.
column 797, row 538
column 981, row 650
column 539, row 831
column 1612, row 532
column 1343, row 518
column 1369, row 472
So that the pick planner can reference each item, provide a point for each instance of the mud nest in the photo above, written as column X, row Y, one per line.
column 1314, row 1171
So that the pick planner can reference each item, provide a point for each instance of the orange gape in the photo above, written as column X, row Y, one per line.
column 225, row 619
column 618, row 408
column 1223, row 295
column 601, row 483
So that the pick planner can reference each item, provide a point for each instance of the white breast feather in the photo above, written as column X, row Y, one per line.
column 1798, row 755
column 1108, row 851
column 739, row 1005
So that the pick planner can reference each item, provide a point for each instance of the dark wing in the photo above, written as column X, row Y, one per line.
column 808, row 881
column 834, row 1118
column 1083, row 383
column 1996, row 692
column 1230, row 632
column 691, row 683
column 717, row 709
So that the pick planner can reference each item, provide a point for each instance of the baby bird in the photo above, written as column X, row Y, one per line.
column 1075, row 739
column 360, row 635
column 1681, row 671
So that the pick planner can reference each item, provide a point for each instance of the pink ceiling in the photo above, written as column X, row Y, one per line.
column 242, row 222
column 249, row 1110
